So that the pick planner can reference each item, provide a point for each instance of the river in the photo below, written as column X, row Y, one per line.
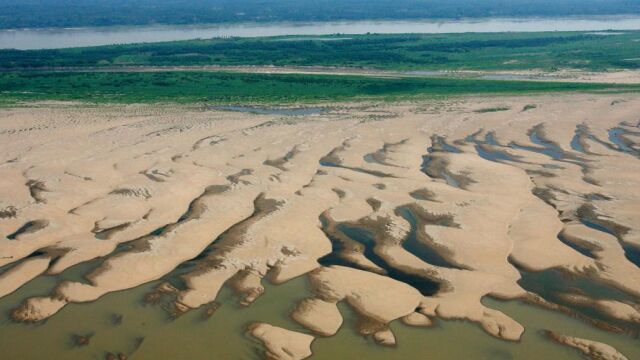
column 76, row 37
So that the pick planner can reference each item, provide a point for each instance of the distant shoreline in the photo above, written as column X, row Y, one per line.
column 613, row 17
column 55, row 38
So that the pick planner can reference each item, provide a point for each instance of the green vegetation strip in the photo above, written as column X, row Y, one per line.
column 228, row 87
column 73, row 13
column 471, row 51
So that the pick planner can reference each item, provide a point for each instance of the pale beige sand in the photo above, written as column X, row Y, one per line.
column 367, row 293
column 613, row 76
column 282, row 344
column 615, row 309
column 319, row 316
column 417, row 319
column 143, row 189
column 591, row 349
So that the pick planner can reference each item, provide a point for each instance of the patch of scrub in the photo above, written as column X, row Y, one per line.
column 263, row 110
column 492, row 109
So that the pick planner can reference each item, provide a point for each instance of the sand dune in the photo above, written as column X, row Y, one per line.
column 433, row 204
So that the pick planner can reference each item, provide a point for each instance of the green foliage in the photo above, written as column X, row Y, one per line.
column 73, row 13
column 493, row 109
column 471, row 51
column 529, row 107
column 228, row 87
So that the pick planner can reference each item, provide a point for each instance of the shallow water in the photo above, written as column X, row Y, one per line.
column 223, row 335
column 631, row 252
column 488, row 148
column 421, row 250
column 365, row 237
column 450, row 180
column 188, row 337
column 439, row 143
column 616, row 136
column 439, row 173
column 581, row 249
column 439, row 170
column 463, row 340
column 371, row 159
column 550, row 149
column 63, row 38
column 494, row 155
column 581, row 133
column 550, row 284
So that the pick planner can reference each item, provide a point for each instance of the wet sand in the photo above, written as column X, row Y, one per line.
column 183, row 207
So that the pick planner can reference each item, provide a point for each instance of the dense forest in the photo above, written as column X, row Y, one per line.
column 73, row 13
column 504, row 51
column 237, row 88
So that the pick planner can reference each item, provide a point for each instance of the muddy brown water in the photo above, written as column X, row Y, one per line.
column 146, row 331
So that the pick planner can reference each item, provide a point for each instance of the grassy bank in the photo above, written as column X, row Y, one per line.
column 473, row 51
column 228, row 87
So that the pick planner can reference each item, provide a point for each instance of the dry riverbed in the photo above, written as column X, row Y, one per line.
column 413, row 212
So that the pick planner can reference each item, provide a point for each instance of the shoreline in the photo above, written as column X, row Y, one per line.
column 133, row 34
column 337, row 21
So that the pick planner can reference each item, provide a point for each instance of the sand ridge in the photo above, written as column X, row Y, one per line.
column 433, row 203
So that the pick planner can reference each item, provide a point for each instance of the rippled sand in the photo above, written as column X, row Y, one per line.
column 411, row 211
